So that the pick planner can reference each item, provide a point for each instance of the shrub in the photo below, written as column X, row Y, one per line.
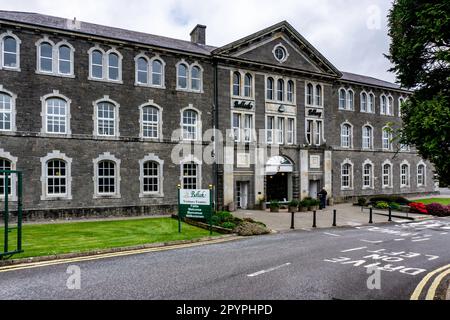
column 304, row 204
column 314, row 203
column 418, row 208
column 274, row 204
column 390, row 199
column 224, row 216
column 400, row 200
column 382, row 205
column 246, row 229
column 294, row 203
column 362, row 202
column 229, row 225
column 395, row 206
column 438, row 210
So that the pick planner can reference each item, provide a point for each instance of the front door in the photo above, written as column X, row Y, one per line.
column 313, row 189
column 277, row 187
column 242, row 195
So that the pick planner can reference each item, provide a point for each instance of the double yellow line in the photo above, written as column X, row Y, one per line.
column 110, row 255
column 431, row 293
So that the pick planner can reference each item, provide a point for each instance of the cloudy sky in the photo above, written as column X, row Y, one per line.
column 352, row 34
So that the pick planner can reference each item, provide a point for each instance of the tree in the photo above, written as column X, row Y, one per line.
column 420, row 53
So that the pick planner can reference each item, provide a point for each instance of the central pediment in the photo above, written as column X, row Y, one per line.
column 282, row 46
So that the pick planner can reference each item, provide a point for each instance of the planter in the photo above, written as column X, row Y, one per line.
column 314, row 208
column 331, row 202
column 303, row 209
column 293, row 209
column 275, row 210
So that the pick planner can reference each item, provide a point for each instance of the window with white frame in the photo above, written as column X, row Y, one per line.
column 390, row 106
column 280, row 90
column 106, row 119
column 346, row 99
column 189, row 77
column 55, row 59
column 157, row 73
column 290, row 91
column 56, row 176
column 404, row 175
column 142, row 70
column 314, row 95
column 190, row 178
column 367, row 175
column 346, row 135
column 151, row 177
column 309, row 94
column 318, row 100
column 149, row 72
column 371, row 103
column 7, row 110
column 270, row 89
column 290, row 134
column 270, row 127
column 367, row 137
column 421, row 175
column 314, row 132
column 248, row 85
column 237, row 127
column 64, row 60
column 342, row 99
column 5, row 165
column 387, row 138
column 309, row 131
column 190, row 122
column 9, row 51
column 150, row 122
column 248, row 127
column 46, row 57
column 318, row 133
column 387, row 175
column 280, row 130
column 384, row 105
column 56, row 115
column 237, row 84
column 350, row 100
column 106, row 176
column 105, row 66
column 364, row 102
column 347, row 175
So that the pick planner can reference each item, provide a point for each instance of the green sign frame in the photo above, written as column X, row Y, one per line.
column 195, row 204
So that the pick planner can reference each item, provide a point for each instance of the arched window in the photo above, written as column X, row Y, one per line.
column 113, row 67
column 387, row 175
column 236, row 84
column 290, row 91
column 350, row 100
column 106, row 178
column 6, row 112
column 142, row 70
column 367, row 137
column 97, row 64
column 346, row 135
column 347, row 176
column 196, row 78
column 387, row 139
column 46, row 57
column 190, row 122
column 56, row 116
column 384, row 107
column 5, row 165
column 390, row 106
column 248, row 84
column 151, row 177
column 364, row 102
column 150, row 122
column 190, row 178
column 371, row 103
column 10, row 58
column 421, row 175
column 310, row 94
column 64, row 60
column 270, row 85
column 106, row 119
column 404, row 175
column 280, row 90
column 56, row 178
column 318, row 95
column 401, row 101
column 342, row 99
column 182, row 76
column 368, row 175
column 157, row 73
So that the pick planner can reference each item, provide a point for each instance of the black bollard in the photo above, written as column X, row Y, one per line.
column 334, row 218
column 371, row 216
column 315, row 220
column 292, row 221
column 390, row 214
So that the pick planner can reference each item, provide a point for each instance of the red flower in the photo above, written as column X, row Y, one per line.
column 418, row 208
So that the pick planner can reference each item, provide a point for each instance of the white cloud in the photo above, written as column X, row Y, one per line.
column 337, row 28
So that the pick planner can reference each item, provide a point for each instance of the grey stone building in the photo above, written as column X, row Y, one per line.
column 104, row 120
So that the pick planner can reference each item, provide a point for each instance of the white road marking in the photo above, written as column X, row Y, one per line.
column 399, row 240
column 331, row 234
column 444, row 233
column 370, row 241
column 402, row 221
column 268, row 270
column 356, row 249
column 309, row 230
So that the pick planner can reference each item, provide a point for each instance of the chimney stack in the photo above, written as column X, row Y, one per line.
column 198, row 35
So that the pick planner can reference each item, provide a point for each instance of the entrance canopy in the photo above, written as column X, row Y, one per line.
column 279, row 164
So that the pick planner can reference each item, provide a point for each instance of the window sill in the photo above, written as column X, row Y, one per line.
column 56, row 135
column 347, row 189
column 106, row 80
column 106, row 196
column 111, row 138
column 151, row 196
column 60, row 198
column 11, row 69
column 52, row 74
column 190, row 91
column 390, row 187
column 314, row 106
column 349, row 110
column 287, row 103
column 143, row 85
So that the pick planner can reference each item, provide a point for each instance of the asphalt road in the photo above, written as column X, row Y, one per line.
column 321, row 264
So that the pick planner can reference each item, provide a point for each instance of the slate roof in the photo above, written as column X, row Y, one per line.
column 104, row 31
column 86, row 28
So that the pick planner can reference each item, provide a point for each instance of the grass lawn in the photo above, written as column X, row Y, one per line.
column 444, row 201
column 51, row 239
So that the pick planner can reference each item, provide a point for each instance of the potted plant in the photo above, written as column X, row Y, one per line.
column 304, row 206
column 293, row 206
column 262, row 203
column 274, row 206
column 314, row 205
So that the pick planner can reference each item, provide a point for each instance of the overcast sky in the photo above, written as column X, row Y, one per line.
column 352, row 34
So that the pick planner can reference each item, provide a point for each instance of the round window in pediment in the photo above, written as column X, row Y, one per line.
column 280, row 53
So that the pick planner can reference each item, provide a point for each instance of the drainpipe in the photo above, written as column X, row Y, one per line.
column 215, row 126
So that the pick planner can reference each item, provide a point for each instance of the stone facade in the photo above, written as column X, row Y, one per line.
column 241, row 175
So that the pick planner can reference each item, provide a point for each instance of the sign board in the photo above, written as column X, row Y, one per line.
column 195, row 204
